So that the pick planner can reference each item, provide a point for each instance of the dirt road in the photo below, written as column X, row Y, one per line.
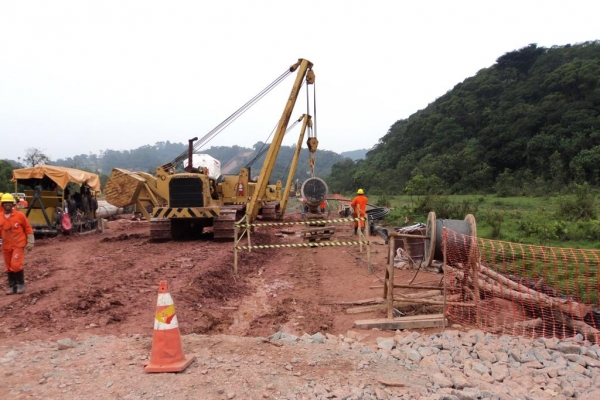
column 107, row 284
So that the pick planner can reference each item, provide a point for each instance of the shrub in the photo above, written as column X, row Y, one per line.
column 582, row 206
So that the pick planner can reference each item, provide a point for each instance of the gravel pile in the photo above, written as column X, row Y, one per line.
column 448, row 365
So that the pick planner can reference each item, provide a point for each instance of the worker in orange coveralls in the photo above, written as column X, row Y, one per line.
column 17, row 237
column 359, row 203
column 323, row 206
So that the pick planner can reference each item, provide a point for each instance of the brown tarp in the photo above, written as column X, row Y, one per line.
column 60, row 175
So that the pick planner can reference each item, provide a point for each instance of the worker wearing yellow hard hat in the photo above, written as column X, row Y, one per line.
column 359, row 205
column 17, row 238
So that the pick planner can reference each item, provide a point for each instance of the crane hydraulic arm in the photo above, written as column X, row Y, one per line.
column 304, row 73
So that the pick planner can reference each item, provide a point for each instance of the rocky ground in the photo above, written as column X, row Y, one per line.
column 276, row 331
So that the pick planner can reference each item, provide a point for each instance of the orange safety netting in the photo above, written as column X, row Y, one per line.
column 523, row 290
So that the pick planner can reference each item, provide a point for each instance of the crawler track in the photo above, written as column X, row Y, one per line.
column 271, row 211
column 224, row 224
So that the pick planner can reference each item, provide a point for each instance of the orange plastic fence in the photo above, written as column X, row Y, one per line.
column 522, row 290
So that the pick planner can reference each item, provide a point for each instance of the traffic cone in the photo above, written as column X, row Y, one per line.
column 167, row 353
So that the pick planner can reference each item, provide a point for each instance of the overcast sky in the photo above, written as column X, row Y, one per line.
column 80, row 77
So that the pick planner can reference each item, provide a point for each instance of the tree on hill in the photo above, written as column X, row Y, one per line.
column 149, row 157
column 35, row 157
column 5, row 176
column 534, row 114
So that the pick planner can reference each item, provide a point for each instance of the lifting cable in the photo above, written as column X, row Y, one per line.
column 215, row 131
column 264, row 147
column 312, row 141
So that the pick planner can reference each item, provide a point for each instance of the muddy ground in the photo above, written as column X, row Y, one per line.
column 106, row 283
column 102, row 287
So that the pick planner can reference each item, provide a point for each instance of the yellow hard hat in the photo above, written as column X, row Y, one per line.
column 360, row 191
column 7, row 198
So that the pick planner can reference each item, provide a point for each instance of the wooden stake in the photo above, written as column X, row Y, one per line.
column 389, row 290
column 370, row 266
column 248, row 232
column 235, row 252
column 445, row 310
column 390, row 383
column 434, row 302
column 416, row 287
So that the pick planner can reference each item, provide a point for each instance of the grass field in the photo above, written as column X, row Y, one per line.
column 545, row 221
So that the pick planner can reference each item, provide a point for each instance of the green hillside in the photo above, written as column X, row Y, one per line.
column 529, row 123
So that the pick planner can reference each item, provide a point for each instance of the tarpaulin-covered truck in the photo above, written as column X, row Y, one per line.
column 52, row 192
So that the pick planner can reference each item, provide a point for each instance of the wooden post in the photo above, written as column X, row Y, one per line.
column 473, row 268
column 473, row 264
column 391, row 246
column 359, row 230
column 235, row 253
column 444, row 237
column 248, row 232
column 370, row 266
column 389, row 291
column 598, row 290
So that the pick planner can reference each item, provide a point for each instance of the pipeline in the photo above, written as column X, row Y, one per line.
column 107, row 210
column 314, row 191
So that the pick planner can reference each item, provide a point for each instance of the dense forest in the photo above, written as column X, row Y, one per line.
column 530, row 123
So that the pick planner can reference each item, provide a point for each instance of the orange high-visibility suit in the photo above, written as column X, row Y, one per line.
column 23, row 204
column 323, row 206
column 15, row 229
column 360, row 201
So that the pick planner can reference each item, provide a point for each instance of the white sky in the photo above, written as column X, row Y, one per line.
column 79, row 77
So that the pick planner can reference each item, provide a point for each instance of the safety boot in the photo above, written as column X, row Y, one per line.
column 12, row 283
column 20, row 280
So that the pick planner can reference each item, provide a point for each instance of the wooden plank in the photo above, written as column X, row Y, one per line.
column 355, row 302
column 410, row 287
column 377, row 307
column 317, row 234
column 419, row 295
column 419, row 317
column 362, row 309
column 401, row 323
column 432, row 302
column 390, row 383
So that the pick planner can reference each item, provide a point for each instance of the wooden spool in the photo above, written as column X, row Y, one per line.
column 435, row 230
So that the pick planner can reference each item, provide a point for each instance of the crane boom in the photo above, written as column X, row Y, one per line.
column 307, row 122
column 304, row 68
column 183, row 204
